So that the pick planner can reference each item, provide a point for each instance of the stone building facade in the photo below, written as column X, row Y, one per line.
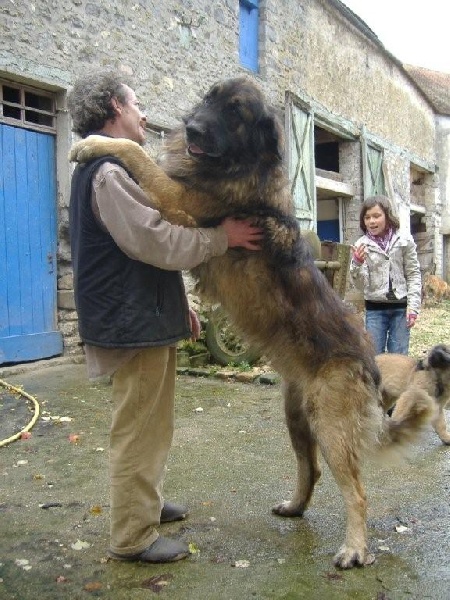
column 361, row 121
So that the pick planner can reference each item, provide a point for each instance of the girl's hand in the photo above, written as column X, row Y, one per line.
column 411, row 319
column 359, row 253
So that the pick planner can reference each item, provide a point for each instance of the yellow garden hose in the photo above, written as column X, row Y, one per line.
column 11, row 388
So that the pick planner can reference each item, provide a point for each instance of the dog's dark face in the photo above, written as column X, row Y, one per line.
column 438, row 357
column 233, row 129
column 438, row 361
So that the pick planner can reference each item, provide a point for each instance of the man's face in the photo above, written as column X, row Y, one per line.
column 132, row 119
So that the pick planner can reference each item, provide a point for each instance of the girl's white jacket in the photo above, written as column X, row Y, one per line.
column 398, row 263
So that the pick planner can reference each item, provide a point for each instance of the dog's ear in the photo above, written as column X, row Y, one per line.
column 269, row 128
column 439, row 357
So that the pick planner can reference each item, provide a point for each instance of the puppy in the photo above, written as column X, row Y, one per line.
column 406, row 381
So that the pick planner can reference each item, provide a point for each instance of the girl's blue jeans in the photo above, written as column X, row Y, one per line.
column 388, row 330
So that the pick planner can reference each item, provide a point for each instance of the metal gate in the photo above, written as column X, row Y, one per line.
column 28, row 242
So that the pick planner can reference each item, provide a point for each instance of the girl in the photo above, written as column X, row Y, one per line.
column 385, row 267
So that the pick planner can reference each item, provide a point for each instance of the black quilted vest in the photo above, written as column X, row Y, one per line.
column 120, row 302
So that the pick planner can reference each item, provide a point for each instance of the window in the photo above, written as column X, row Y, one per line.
column 248, row 34
column 27, row 107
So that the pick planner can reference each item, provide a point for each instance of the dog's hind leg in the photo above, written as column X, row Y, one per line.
column 341, row 400
column 340, row 455
column 440, row 426
column 305, row 448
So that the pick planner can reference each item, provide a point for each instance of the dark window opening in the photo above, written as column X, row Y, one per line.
column 41, row 102
column 416, row 223
column 327, row 156
column 11, row 94
column 326, row 150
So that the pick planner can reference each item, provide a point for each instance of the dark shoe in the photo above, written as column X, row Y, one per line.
column 164, row 550
column 173, row 512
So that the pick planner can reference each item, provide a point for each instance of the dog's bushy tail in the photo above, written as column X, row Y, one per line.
column 413, row 412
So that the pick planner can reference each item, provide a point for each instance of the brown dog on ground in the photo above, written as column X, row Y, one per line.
column 435, row 289
column 226, row 159
column 406, row 381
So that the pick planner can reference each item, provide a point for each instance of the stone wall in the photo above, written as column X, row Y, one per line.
column 177, row 48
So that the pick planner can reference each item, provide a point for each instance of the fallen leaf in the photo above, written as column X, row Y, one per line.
column 21, row 562
column 241, row 564
column 38, row 476
column 157, row 583
column 74, row 438
column 401, row 528
column 193, row 549
column 96, row 510
column 79, row 545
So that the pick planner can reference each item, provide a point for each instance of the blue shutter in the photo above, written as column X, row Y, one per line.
column 248, row 34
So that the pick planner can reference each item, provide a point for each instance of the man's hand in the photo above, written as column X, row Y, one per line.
column 242, row 233
column 194, row 322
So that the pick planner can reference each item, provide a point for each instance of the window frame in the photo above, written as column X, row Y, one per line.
column 25, row 108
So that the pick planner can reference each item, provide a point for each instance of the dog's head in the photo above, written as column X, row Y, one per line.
column 438, row 362
column 233, row 129
column 438, row 357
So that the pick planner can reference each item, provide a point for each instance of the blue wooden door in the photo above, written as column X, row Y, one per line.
column 27, row 246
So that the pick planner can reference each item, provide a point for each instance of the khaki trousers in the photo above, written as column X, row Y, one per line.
column 141, row 436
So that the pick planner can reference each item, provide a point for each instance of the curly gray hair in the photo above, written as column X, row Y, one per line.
column 89, row 101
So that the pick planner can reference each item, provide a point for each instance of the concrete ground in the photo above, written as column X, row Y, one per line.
column 230, row 463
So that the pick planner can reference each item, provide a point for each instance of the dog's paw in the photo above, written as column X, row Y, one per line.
column 445, row 438
column 184, row 219
column 288, row 509
column 90, row 147
column 348, row 557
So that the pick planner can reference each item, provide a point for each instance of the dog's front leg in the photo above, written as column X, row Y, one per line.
column 440, row 426
column 305, row 448
column 164, row 194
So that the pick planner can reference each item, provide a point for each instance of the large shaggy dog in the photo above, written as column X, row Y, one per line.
column 405, row 380
column 226, row 159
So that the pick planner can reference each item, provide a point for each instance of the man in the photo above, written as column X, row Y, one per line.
column 132, row 309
